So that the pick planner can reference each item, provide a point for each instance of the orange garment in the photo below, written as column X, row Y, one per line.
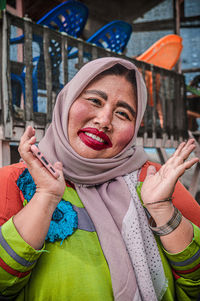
column 9, row 204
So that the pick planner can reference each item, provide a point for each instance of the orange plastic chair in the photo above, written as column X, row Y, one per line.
column 164, row 53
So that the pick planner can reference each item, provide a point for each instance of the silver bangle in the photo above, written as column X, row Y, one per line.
column 170, row 226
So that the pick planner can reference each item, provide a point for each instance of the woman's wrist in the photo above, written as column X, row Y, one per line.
column 169, row 226
column 46, row 200
column 48, row 196
column 161, row 213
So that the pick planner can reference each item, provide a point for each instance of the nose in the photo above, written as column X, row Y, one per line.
column 104, row 118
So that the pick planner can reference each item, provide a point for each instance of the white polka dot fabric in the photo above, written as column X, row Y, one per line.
column 142, row 247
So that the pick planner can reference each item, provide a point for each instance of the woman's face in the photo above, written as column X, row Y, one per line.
column 102, row 119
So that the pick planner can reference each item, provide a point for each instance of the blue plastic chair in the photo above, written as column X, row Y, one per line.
column 69, row 17
column 113, row 36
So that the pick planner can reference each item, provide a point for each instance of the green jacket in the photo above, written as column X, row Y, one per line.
column 75, row 269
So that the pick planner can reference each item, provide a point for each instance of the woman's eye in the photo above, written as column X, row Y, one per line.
column 123, row 114
column 95, row 101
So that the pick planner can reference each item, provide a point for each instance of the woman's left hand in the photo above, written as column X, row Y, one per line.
column 160, row 185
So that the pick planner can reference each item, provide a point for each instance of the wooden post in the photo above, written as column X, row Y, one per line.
column 177, row 24
column 80, row 53
column 163, row 100
column 4, row 153
column 145, row 118
column 5, row 157
column 94, row 52
column 6, row 87
column 48, row 74
column 154, row 96
column 176, row 4
column 64, row 53
column 29, row 67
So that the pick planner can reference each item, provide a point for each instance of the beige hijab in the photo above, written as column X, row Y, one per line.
column 99, row 182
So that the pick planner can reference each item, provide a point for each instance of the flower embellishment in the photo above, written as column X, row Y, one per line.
column 64, row 222
column 64, row 219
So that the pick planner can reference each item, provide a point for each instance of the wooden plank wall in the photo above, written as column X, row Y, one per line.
column 164, row 123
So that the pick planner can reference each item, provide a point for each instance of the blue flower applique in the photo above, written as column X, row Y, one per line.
column 64, row 222
column 26, row 185
column 64, row 219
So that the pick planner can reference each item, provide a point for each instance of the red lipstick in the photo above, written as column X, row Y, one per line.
column 87, row 135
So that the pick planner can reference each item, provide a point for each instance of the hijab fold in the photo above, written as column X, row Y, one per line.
column 99, row 182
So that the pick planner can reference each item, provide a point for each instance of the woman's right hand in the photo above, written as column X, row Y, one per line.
column 46, row 184
column 32, row 222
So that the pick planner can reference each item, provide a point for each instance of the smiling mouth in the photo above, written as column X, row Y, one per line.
column 94, row 138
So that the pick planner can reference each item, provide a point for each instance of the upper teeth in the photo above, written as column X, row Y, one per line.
column 94, row 137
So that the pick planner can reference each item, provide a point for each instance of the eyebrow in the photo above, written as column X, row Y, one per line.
column 120, row 103
column 125, row 105
column 97, row 92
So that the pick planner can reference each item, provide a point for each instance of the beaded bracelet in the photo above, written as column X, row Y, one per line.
column 170, row 226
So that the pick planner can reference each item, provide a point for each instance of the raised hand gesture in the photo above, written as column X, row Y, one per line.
column 32, row 222
column 160, row 185
column 45, row 182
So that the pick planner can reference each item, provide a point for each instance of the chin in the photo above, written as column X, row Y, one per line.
column 91, row 154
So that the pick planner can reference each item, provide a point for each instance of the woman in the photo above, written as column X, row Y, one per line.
column 99, row 245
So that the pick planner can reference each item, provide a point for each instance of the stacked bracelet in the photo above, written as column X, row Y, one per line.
column 170, row 226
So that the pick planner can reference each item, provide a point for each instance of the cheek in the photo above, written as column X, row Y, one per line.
column 125, row 135
column 77, row 114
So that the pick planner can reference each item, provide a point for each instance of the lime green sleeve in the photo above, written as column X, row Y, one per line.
column 17, row 260
column 186, row 269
